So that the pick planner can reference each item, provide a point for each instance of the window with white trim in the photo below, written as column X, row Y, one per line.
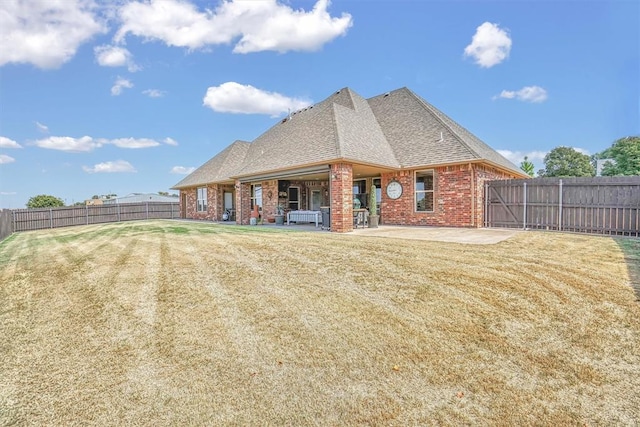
column 256, row 195
column 424, row 191
column 202, row 199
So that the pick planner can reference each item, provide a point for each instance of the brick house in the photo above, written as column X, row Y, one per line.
column 426, row 168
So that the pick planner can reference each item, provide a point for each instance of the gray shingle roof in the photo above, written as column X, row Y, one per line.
column 218, row 169
column 422, row 135
column 394, row 130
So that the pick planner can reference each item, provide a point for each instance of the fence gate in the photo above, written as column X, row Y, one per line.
column 600, row 205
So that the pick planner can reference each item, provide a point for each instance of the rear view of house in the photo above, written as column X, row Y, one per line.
column 426, row 168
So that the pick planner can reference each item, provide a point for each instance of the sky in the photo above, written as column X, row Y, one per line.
column 120, row 97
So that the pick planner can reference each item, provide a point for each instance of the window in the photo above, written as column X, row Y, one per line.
column 202, row 199
column 424, row 191
column 256, row 195
column 294, row 198
column 360, row 192
column 378, row 183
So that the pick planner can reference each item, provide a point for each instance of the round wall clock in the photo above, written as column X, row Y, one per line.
column 394, row 190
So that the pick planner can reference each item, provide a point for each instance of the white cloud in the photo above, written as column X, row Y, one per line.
column 133, row 142
column 87, row 143
column 232, row 97
column 8, row 143
column 182, row 170
column 45, row 33
column 153, row 93
column 534, row 94
column 4, row 159
column 42, row 128
column 119, row 85
column 489, row 46
column 110, row 167
column 259, row 25
column 115, row 56
column 518, row 156
column 8, row 193
column 170, row 141
column 67, row 143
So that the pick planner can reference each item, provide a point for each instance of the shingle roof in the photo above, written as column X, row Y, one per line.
column 218, row 169
column 395, row 130
column 340, row 127
column 422, row 135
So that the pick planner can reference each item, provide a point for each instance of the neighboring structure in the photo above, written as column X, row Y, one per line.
column 141, row 198
column 94, row 202
column 600, row 165
column 427, row 169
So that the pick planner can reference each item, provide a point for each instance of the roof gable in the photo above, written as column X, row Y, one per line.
column 220, row 168
column 421, row 135
column 395, row 130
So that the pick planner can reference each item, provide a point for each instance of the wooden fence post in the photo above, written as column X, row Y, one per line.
column 560, row 206
column 147, row 207
column 118, row 205
column 86, row 213
column 486, row 204
column 50, row 218
column 524, row 213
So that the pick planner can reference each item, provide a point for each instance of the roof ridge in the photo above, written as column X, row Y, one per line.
column 335, row 129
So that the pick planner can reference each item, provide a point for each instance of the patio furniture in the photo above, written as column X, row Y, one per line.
column 304, row 216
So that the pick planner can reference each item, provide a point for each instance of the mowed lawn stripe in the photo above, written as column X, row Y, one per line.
column 165, row 323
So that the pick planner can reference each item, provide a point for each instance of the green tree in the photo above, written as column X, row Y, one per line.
column 625, row 153
column 566, row 162
column 44, row 201
column 527, row 166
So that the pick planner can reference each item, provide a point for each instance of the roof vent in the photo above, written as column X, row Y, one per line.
column 337, row 92
column 386, row 94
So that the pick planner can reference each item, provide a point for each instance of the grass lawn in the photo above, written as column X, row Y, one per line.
column 174, row 323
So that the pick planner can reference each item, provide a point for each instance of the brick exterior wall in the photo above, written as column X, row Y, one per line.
column 212, row 202
column 243, row 203
column 341, row 181
column 458, row 197
column 215, row 202
column 452, row 198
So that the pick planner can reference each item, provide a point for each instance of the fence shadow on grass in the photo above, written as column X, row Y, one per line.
column 631, row 249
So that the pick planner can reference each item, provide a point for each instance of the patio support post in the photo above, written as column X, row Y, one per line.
column 341, row 183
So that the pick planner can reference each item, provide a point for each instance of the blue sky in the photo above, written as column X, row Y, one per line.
column 129, row 96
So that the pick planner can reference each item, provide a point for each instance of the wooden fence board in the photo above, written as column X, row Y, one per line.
column 601, row 205
column 37, row 219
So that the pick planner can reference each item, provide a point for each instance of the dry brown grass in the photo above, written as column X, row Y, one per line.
column 168, row 323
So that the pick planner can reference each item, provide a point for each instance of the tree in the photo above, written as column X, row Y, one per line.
column 527, row 166
column 44, row 201
column 566, row 162
column 625, row 153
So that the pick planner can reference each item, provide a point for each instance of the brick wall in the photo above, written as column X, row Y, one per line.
column 341, row 177
column 243, row 203
column 458, row 197
column 452, row 198
column 213, row 201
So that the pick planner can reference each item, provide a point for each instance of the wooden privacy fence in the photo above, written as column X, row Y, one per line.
column 37, row 219
column 6, row 224
column 599, row 205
